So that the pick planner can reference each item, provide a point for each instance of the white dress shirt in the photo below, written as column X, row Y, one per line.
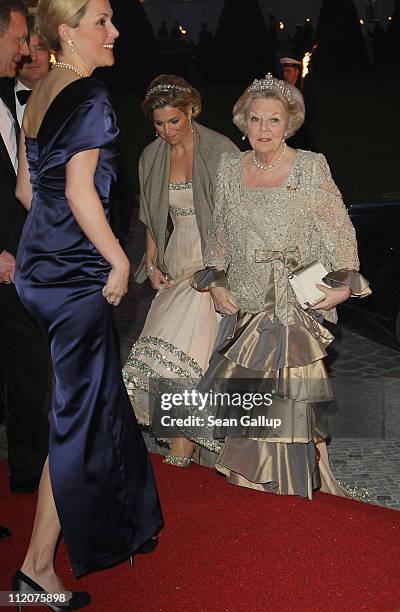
column 20, row 109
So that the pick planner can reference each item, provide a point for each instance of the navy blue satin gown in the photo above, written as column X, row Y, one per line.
column 100, row 472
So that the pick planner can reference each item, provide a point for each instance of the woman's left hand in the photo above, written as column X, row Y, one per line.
column 333, row 297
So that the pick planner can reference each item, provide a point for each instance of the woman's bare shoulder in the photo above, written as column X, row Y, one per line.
column 42, row 98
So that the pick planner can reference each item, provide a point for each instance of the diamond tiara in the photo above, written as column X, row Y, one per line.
column 165, row 87
column 269, row 83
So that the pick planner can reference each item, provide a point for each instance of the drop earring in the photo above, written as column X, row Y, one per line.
column 244, row 136
column 71, row 46
column 157, row 134
column 190, row 124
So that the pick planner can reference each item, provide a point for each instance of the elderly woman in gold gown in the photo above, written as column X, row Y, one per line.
column 276, row 209
column 177, row 177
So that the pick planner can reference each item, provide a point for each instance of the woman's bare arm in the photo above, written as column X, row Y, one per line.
column 156, row 277
column 23, row 189
column 88, row 211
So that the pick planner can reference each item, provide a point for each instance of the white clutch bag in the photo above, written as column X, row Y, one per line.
column 303, row 283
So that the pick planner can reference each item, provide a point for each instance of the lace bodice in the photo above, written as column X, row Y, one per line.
column 258, row 235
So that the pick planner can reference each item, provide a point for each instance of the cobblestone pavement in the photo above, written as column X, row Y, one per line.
column 365, row 422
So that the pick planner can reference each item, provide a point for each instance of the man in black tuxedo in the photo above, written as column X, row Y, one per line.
column 32, row 69
column 23, row 351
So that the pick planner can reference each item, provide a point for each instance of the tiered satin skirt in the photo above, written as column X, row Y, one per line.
column 256, row 352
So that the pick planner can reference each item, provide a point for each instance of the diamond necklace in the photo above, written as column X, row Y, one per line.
column 68, row 67
column 268, row 166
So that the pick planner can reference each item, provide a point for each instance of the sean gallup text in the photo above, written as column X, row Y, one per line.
column 211, row 421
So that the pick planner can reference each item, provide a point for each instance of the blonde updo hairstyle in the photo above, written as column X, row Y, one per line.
column 52, row 13
column 176, row 93
column 295, row 107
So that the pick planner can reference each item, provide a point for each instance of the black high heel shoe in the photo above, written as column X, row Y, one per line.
column 146, row 548
column 26, row 586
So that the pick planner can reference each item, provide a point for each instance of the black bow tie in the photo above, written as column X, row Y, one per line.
column 23, row 95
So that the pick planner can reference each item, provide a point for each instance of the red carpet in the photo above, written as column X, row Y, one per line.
column 228, row 549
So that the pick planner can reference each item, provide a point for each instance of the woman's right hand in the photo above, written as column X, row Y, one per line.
column 117, row 284
column 157, row 278
column 223, row 301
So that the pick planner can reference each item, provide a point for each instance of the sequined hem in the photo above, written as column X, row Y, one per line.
column 180, row 186
column 133, row 383
column 358, row 493
column 156, row 365
column 160, row 382
column 137, row 374
column 178, row 461
column 162, row 361
column 159, row 373
column 182, row 212
column 292, row 440
column 141, row 347
column 211, row 445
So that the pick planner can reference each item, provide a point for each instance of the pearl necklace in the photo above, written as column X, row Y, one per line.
column 68, row 67
column 268, row 166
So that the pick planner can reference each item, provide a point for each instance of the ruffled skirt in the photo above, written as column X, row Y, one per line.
column 255, row 353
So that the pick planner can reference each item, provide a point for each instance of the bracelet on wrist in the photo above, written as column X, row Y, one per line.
column 150, row 269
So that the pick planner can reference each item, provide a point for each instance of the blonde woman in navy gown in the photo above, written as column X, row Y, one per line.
column 97, row 485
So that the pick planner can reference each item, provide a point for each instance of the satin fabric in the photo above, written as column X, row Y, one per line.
column 261, row 344
column 100, row 473
column 287, row 469
column 253, row 353
column 353, row 279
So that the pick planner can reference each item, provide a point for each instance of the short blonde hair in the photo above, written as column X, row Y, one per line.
column 294, row 107
column 171, row 90
column 52, row 13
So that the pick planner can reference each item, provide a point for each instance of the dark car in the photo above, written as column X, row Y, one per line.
column 377, row 223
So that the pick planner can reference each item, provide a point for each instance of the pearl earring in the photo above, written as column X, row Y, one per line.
column 244, row 136
column 71, row 46
column 157, row 134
